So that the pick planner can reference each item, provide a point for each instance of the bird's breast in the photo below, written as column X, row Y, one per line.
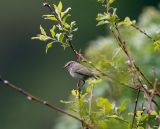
column 76, row 75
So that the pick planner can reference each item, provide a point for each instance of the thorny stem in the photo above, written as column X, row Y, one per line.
column 36, row 99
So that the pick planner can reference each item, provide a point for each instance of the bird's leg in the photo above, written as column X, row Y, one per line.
column 78, row 88
column 80, row 85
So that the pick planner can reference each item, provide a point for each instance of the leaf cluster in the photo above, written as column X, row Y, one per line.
column 62, row 30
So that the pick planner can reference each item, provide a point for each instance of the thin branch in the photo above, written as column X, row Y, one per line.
column 143, row 89
column 135, row 107
column 124, row 48
column 83, row 124
column 156, row 104
column 90, row 102
column 142, row 74
column 76, row 53
column 79, row 101
column 122, row 44
column 143, row 32
column 36, row 99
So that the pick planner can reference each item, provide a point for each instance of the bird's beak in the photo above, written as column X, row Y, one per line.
column 64, row 66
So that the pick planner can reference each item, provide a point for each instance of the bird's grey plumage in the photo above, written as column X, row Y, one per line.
column 78, row 71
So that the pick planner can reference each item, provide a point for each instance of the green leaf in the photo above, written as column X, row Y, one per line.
column 60, row 37
column 42, row 37
column 49, row 45
column 139, row 113
column 127, row 21
column 140, row 127
column 111, row 1
column 122, row 107
column 75, row 29
column 101, row 1
column 65, row 12
column 74, row 92
column 65, row 18
column 157, row 45
column 56, row 10
column 104, row 104
column 102, row 17
column 73, row 23
column 60, row 6
column 144, row 117
column 64, row 45
column 153, row 113
column 50, row 17
column 67, row 102
column 42, row 31
column 66, row 25
column 102, row 23
column 52, row 30
column 89, row 88
column 107, row 18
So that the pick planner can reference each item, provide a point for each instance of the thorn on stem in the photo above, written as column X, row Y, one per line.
column 45, row 4
column 5, row 82
column 29, row 98
column 44, row 102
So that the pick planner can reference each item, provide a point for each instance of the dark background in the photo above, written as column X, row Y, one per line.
column 23, row 61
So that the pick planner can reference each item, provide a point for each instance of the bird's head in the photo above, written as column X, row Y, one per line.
column 69, row 64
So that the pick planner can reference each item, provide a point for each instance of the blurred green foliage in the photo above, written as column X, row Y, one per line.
column 109, row 58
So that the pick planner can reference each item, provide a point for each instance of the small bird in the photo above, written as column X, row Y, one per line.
column 79, row 71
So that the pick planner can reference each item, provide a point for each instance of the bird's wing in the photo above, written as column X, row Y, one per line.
column 84, row 71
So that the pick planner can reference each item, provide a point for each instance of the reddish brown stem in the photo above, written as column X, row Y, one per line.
column 36, row 99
